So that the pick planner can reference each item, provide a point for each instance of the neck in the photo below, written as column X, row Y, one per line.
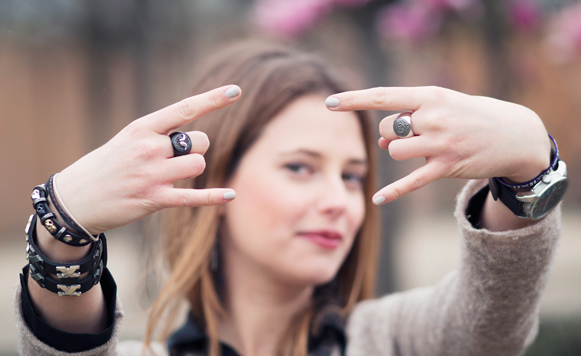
column 260, row 307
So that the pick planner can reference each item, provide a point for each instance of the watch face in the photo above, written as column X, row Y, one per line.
column 549, row 198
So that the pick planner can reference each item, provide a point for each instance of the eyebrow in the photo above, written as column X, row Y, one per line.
column 315, row 154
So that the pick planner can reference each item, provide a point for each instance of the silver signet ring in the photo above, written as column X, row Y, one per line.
column 181, row 143
column 402, row 126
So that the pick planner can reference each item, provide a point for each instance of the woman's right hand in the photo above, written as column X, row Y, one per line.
column 132, row 175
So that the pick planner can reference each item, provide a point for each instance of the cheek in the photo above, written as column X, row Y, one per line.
column 266, row 210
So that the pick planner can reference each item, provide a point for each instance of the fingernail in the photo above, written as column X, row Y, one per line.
column 331, row 102
column 232, row 92
column 229, row 195
column 378, row 200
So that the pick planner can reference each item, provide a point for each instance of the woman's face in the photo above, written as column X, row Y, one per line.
column 299, row 195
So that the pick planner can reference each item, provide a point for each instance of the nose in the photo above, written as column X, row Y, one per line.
column 333, row 197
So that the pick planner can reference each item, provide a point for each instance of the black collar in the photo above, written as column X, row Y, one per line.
column 191, row 337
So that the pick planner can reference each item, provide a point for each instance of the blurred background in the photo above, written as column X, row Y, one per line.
column 73, row 73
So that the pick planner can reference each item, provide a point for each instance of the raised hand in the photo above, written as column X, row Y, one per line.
column 132, row 175
column 460, row 136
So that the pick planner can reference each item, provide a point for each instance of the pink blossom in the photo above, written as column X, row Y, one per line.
column 290, row 18
column 458, row 5
column 524, row 14
column 351, row 3
column 408, row 22
column 564, row 33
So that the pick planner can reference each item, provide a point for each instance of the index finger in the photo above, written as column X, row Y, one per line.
column 189, row 109
column 381, row 98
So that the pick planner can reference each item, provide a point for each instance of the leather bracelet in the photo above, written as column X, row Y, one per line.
column 68, row 282
column 50, row 190
column 49, row 221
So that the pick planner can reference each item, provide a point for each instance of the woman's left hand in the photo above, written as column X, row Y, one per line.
column 461, row 136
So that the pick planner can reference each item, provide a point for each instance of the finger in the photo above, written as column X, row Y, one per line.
column 387, row 131
column 413, row 147
column 382, row 98
column 414, row 181
column 200, row 143
column 189, row 109
column 383, row 143
column 181, row 167
column 183, row 197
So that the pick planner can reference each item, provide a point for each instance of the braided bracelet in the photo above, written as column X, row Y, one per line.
column 49, row 221
column 68, row 282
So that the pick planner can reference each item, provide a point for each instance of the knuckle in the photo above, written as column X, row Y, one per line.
column 378, row 98
column 146, row 150
column 397, row 192
column 187, row 200
column 185, row 110
column 214, row 101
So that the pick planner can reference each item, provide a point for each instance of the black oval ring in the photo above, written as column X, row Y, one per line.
column 181, row 143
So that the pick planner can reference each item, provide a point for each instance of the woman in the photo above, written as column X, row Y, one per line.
column 285, row 266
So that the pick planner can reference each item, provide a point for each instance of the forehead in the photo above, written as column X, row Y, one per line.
column 307, row 124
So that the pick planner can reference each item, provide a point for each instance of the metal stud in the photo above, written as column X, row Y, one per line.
column 69, row 290
column 83, row 241
column 50, row 226
column 68, row 272
column 68, row 238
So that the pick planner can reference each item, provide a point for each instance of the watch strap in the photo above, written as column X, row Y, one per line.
column 507, row 196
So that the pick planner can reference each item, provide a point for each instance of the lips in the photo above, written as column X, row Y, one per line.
column 324, row 238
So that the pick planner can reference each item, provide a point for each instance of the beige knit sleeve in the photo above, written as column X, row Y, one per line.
column 489, row 306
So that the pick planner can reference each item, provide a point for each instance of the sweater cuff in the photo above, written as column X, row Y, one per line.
column 64, row 341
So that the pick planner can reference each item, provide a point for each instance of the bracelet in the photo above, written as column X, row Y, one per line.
column 68, row 274
column 59, row 204
column 537, row 179
column 49, row 221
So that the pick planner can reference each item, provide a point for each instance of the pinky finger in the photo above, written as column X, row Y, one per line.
column 413, row 181
column 185, row 197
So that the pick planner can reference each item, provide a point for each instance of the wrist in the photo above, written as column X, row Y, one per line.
column 55, row 249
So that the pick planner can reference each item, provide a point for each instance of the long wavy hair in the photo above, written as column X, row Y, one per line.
column 271, row 76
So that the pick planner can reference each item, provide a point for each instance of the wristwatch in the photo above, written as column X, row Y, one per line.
column 540, row 199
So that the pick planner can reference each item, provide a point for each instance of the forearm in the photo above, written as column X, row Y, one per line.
column 497, row 217
column 82, row 314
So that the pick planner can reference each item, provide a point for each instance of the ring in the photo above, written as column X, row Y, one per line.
column 181, row 143
column 402, row 126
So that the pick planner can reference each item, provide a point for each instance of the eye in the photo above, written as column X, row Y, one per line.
column 353, row 178
column 299, row 168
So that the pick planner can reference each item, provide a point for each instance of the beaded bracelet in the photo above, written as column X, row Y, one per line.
column 68, row 282
column 49, row 221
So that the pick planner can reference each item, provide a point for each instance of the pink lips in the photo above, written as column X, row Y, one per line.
column 325, row 238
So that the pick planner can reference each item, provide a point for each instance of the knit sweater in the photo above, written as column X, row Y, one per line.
column 488, row 306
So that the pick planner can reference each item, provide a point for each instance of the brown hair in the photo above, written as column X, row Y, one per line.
column 271, row 76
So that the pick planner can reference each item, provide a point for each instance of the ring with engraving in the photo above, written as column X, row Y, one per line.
column 402, row 126
column 181, row 143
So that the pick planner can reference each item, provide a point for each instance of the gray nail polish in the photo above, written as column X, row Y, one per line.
column 229, row 195
column 332, row 102
column 232, row 92
column 378, row 200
